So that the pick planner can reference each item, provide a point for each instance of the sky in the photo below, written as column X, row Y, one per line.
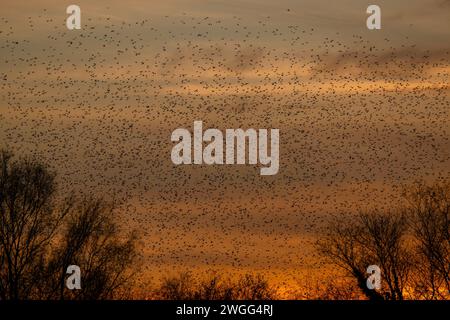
column 361, row 114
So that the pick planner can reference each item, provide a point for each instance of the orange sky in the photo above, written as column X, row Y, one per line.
column 360, row 114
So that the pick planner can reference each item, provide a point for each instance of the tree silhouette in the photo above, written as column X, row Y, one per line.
column 410, row 244
column 429, row 210
column 90, row 240
column 370, row 239
column 215, row 287
column 40, row 236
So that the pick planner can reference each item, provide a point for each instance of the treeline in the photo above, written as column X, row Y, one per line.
column 42, row 234
column 186, row 286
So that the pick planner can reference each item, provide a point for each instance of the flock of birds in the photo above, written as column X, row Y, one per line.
column 357, row 120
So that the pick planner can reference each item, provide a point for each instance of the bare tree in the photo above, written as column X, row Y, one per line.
column 370, row 239
column 214, row 288
column 28, row 223
column 40, row 237
column 90, row 239
column 428, row 208
column 181, row 287
column 253, row 287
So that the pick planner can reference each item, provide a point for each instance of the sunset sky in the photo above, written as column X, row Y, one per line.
column 361, row 113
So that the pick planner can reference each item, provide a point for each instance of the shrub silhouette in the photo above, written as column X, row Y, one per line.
column 215, row 287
